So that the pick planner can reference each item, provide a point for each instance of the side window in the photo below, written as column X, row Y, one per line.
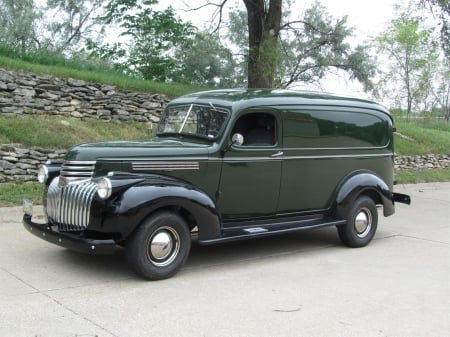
column 258, row 129
column 334, row 129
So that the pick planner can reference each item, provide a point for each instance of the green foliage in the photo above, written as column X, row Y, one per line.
column 412, row 61
column 205, row 61
column 318, row 43
column 71, row 24
column 18, row 22
column 441, row 9
column 155, row 37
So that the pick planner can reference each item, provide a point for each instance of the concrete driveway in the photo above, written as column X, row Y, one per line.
column 306, row 284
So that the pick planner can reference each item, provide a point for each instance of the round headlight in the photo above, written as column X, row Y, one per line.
column 42, row 175
column 104, row 188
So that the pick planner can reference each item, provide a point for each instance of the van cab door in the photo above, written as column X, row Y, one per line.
column 251, row 172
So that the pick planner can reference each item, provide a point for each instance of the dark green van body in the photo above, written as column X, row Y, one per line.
column 302, row 160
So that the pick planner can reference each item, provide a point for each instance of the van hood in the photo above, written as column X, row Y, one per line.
column 123, row 150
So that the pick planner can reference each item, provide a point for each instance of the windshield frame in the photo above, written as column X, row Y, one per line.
column 189, row 108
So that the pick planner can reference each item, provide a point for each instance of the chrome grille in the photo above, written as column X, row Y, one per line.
column 68, row 205
column 74, row 170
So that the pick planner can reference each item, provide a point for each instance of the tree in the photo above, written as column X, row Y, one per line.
column 154, row 37
column 305, row 50
column 317, row 43
column 74, row 21
column 264, row 24
column 18, row 20
column 204, row 61
column 442, row 91
column 441, row 8
column 412, row 58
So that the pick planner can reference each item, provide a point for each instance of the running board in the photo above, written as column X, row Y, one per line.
column 245, row 233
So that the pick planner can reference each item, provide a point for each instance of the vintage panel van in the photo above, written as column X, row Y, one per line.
column 229, row 165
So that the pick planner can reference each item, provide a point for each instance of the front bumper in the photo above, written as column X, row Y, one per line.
column 67, row 240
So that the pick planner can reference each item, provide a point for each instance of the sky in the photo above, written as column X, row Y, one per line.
column 369, row 18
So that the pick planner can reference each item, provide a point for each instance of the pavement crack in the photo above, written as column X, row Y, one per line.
column 59, row 303
column 412, row 237
column 423, row 239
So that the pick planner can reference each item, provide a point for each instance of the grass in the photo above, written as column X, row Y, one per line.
column 108, row 77
column 64, row 132
column 423, row 138
column 422, row 176
column 12, row 194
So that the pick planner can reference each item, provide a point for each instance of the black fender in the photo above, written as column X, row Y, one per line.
column 363, row 182
column 134, row 199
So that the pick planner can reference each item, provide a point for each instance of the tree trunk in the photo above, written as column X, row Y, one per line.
column 263, row 30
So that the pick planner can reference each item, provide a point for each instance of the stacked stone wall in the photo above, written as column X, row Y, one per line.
column 23, row 93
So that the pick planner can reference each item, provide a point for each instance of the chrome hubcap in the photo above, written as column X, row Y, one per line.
column 163, row 246
column 363, row 222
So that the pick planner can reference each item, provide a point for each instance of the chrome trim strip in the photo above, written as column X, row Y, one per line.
column 344, row 156
column 152, row 159
column 78, row 162
column 164, row 166
column 378, row 155
column 81, row 173
column 82, row 168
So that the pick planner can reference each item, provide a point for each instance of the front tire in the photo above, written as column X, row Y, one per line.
column 362, row 221
column 159, row 247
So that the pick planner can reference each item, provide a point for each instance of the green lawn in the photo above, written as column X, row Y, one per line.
column 423, row 138
column 64, row 132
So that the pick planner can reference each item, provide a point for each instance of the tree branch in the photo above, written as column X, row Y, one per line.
column 218, row 12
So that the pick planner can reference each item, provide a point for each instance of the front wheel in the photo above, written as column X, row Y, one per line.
column 159, row 247
column 362, row 221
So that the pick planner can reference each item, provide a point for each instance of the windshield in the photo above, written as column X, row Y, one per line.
column 204, row 121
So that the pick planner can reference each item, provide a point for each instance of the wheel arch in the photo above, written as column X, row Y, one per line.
column 142, row 200
column 362, row 183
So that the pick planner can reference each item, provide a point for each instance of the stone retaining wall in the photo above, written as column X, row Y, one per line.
column 429, row 161
column 21, row 164
column 29, row 93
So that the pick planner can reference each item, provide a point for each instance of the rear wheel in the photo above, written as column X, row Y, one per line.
column 159, row 247
column 362, row 221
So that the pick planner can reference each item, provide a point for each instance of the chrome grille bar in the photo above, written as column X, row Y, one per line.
column 68, row 206
column 77, row 169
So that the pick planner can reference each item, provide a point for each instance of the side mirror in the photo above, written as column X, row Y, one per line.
column 237, row 139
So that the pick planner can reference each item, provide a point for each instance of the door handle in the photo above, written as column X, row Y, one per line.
column 278, row 154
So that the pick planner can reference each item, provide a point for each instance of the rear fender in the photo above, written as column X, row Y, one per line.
column 359, row 183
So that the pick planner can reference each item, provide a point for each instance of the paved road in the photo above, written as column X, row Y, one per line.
column 305, row 284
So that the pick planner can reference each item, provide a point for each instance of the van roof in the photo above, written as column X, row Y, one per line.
column 238, row 99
